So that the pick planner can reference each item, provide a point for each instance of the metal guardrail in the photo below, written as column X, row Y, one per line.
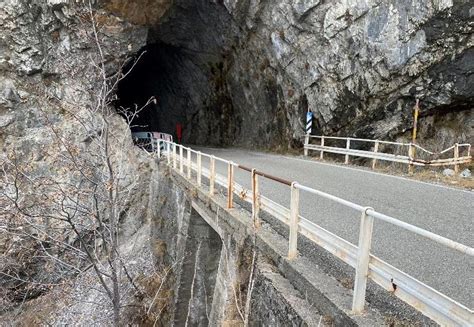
column 149, row 140
column 422, row 297
column 376, row 154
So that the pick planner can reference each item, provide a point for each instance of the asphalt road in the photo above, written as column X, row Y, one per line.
column 446, row 211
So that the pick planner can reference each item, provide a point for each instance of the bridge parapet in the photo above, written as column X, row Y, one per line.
column 430, row 302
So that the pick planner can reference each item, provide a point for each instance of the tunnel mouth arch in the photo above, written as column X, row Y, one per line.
column 184, row 67
column 145, row 94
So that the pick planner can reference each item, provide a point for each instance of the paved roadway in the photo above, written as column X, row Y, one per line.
column 446, row 211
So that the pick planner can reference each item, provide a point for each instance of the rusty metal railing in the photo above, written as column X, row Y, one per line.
column 461, row 153
column 424, row 298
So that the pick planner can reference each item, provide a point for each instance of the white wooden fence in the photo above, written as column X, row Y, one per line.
column 427, row 300
column 406, row 152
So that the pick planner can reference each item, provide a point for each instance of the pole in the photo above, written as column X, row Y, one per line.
column 306, row 142
column 189, row 164
column 294, row 219
column 348, row 146
column 456, row 158
column 255, row 200
column 199, row 168
column 363, row 257
column 212, row 175
column 230, row 185
column 412, row 149
column 376, row 149
column 321, row 154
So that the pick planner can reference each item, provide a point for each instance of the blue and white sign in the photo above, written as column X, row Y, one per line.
column 309, row 122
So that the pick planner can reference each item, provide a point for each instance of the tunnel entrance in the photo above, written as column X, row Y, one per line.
column 184, row 67
column 151, row 75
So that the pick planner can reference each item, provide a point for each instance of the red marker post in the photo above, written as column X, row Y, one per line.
column 179, row 131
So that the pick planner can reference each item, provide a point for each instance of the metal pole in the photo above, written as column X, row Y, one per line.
column 363, row 256
column 199, row 168
column 294, row 220
column 255, row 200
column 189, row 163
column 413, row 137
column 415, row 120
column 181, row 161
column 456, row 157
column 321, row 155
column 306, row 142
column 376, row 149
column 230, row 185
column 174, row 156
column 168, row 152
column 212, row 175
column 348, row 146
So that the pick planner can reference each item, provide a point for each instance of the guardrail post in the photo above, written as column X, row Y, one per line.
column 321, row 154
column 456, row 157
column 255, row 200
column 411, row 157
column 212, row 175
column 294, row 220
column 174, row 156
column 376, row 149
column 348, row 146
column 189, row 163
column 306, row 142
column 199, row 168
column 363, row 256
column 181, row 161
column 230, row 185
column 168, row 152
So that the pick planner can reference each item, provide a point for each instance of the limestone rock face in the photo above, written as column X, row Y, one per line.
column 49, row 84
column 245, row 72
column 358, row 65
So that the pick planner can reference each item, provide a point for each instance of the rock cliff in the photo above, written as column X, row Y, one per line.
column 246, row 72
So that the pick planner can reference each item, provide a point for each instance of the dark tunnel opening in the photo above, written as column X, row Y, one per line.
column 151, row 75
column 184, row 66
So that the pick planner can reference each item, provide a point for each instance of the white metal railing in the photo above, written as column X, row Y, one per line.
column 408, row 151
column 427, row 300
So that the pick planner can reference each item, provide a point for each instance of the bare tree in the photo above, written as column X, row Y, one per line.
column 70, row 219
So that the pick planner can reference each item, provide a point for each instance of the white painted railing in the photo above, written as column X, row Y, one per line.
column 427, row 300
column 407, row 151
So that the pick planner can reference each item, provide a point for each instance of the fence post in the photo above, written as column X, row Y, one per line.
column 456, row 157
column 212, row 175
column 410, row 156
column 363, row 257
column 230, row 185
column 159, row 149
column 376, row 149
column 181, row 161
column 168, row 152
column 306, row 142
column 348, row 146
column 294, row 220
column 174, row 156
column 189, row 163
column 199, row 168
column 255, row 200
column 321, row 154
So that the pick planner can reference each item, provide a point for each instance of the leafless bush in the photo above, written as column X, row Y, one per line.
column 61, row 221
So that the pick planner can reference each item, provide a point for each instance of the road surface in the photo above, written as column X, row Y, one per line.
column 445, row 211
